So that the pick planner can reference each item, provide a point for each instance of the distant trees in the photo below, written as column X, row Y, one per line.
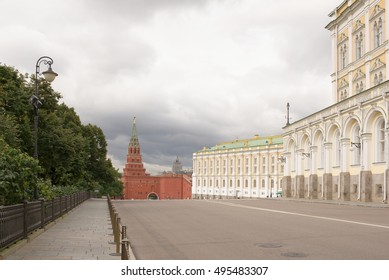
column 72, row 156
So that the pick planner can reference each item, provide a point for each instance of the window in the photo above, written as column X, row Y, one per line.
column 356, row 152
column 378, row 33
column 263, row 165
column 320, row 152
column 358, row 46
column 343, row 55
column 380, row 78
column 380, row 143
column 336, row 148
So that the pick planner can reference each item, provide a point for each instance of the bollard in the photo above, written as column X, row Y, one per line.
column 118, row 236
column 124, row 244
column 114, row 227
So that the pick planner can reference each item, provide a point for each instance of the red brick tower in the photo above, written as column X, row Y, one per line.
column 134, row 166
column 137, row 184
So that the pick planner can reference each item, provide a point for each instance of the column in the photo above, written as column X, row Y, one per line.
column 345, row 178
column 327, row 176
column 365, row 188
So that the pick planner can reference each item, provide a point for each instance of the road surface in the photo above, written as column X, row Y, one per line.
column 270, row 229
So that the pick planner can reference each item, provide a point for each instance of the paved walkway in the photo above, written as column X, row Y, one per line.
column 85, row 233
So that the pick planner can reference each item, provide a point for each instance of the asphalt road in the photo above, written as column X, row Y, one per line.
column 254, row 229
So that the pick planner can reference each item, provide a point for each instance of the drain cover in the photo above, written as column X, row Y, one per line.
column 294, row 255
column 269, row 245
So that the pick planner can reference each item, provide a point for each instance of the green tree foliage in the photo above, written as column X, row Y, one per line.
column 72, row 156
column 17, row 174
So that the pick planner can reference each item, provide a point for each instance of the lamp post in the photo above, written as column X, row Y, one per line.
column 49, row 76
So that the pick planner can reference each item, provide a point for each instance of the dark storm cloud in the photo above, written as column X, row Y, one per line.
column 194, row 72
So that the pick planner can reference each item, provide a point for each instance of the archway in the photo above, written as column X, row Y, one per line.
column 152, row 196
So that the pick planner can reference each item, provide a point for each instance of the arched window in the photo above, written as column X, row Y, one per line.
column 380, row 141
column 355, row 138
column 361, row 86
column 292, row 157
column 336, row 148
column 255, row 183
column 357, row 89
column 263, row 183
column 320, row 151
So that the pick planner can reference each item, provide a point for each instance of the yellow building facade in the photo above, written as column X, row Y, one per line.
column 342, row 152
column 247, row 168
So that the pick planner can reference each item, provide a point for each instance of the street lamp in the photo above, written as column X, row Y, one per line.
column 49, row 76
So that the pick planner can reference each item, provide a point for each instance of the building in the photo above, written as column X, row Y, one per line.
column 238, row 169
column 342, row 152
column 137, row 184
column 177, row 166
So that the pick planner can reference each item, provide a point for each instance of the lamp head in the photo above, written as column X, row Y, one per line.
column 49, row 74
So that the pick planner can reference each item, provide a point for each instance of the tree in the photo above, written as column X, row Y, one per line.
column 71, row 156
column 17, row 174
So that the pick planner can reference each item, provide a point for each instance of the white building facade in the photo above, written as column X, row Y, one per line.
column 239, row 169
column 342, row 152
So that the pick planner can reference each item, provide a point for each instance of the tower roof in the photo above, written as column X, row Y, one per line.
column 134, row 141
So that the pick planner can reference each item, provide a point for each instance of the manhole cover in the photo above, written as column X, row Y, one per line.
column 269, row 245
column 294, row 255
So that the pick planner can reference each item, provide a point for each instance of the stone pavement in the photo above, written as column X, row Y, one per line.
column 85, row 233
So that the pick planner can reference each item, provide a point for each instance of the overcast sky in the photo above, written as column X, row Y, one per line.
column 194, row 72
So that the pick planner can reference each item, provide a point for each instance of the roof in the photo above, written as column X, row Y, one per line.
column 246, row 143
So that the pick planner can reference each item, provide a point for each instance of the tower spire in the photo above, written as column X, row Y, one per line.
column 134, row 141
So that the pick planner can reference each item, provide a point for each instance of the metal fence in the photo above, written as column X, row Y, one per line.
column 119, row 233
column 19, row 220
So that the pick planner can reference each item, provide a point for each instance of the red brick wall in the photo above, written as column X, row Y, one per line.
column 166, row 187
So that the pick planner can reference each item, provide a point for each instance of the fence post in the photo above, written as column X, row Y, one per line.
column 52, row 209
column 25, row 205
column 60, row 205
column 118, row 236
column 115, row 215
column 42, row 212
column 124, row 244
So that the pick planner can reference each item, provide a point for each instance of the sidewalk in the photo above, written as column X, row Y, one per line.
column 337, row 202
column 85, row 233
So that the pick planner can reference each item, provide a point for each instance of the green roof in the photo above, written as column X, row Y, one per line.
column 246, row 143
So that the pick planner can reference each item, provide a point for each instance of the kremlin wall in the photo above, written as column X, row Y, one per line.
column 137, row 184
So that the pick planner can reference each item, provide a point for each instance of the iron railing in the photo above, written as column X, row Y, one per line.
column 120, row 237
column 19, row 220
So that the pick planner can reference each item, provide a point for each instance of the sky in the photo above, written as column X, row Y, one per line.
column 194, row 73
